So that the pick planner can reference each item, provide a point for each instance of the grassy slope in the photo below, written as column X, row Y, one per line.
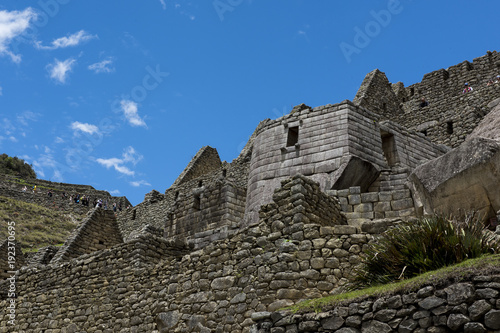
column 36, row 226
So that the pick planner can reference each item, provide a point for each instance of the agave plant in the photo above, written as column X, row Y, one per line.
column 412, row 248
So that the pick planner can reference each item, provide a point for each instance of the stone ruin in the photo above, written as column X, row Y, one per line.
column 229, row 243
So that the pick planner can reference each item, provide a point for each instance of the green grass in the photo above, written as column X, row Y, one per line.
column 36, row 226
column 29, row 185
column 485, row 265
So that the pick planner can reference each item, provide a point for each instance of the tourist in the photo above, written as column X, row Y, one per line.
column 467, row 88
column 423, row 102
column 25, row 189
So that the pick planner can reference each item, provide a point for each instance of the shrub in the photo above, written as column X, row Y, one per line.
column 16, row 166
column 412, row 248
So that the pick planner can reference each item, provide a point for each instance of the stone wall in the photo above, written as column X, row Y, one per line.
column 203, row 213
column 98, row 231
column 207, row 207
column 450, row 115
column 339, row 146
column 468, row 306
column 151, row 284
column 205, row 161
column 358, row 207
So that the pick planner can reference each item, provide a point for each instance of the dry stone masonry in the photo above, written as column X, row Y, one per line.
column 471, row 306
column 229, row 244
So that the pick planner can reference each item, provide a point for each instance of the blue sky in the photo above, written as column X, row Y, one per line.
column 121, row 95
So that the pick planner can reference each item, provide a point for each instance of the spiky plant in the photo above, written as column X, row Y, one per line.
column 412, row 248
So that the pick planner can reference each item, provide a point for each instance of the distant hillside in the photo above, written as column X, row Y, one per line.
column 36, row 226
column 16, row 167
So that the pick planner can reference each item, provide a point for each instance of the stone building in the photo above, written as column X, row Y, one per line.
column 450, row 114
column 287, row 220
column 373, row 143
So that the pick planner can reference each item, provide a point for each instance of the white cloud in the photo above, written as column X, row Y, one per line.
column 59, row 70
column 47, row 161
column 12, row 25
column 114, row 192
column 129, row 109
column 1, row 93
column 84, row 127
column 59, row 140
column 102, row 66
column 25, row 116
column 140, row 183
column 71, row 40
column 128, row 156
column 12, row 138
column 163, row 4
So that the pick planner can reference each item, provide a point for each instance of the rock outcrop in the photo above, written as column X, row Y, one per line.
column 466, row 178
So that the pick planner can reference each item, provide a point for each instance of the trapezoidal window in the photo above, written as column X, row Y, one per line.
column 449, row 127
column 389, row 148
column 197, row 202
column 293, row 136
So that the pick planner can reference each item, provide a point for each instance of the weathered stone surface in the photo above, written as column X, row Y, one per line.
column 492, row 319
column 478, row 309
column 459, row 293
column 407, row 326
column 490, row 124
column 431, row 302
column 463, row 179
column 332, row 323
column 376, row 326
column 223, row 282
column 474, row 327
column 168, row 320
column 456, row 321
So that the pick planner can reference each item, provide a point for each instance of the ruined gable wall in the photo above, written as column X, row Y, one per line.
column 450, row 115
column 206, row 211
column 96, row 232
column 220, row 209
column 205, row 161
column 377, row 95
